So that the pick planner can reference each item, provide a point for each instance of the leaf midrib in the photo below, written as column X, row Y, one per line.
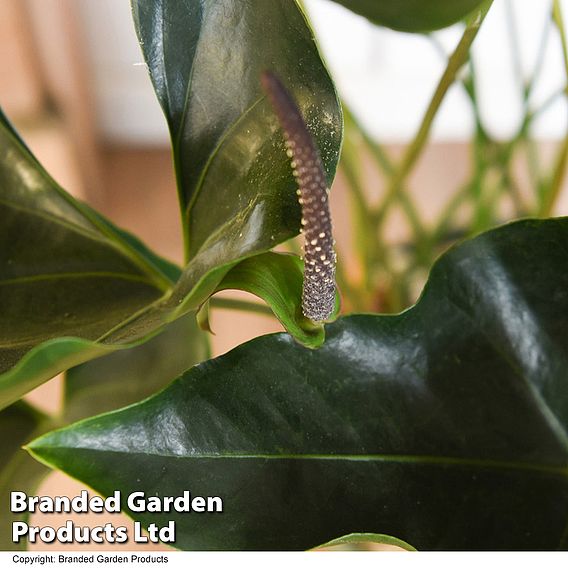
column 100, row 232
column 69, row 275
column 56, row 220
column 211, row 158
column 153, row 279
column 560, row 471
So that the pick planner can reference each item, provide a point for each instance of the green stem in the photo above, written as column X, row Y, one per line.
column 468, row 84
column 552, row 192
column 557, row 181
column 534, row 168
column 539, row 61
column 455, row 63
column 559, row 21
column 377, row 151
column 445, row 219
column 531, row 115
column 353, row 295
column 385, row 164
column 368, row 246
column 510, row 184
column 515, row 50
column 548, row 102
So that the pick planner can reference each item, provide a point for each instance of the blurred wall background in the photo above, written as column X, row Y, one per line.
column 56, row 47
column 386, row 76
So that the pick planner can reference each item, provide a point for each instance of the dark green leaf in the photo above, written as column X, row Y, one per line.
column 128, row 376
column 168, row 270
column 67, row 276
column 445, row 426
column 18, row 471
column 413, row 15
column 236, row 189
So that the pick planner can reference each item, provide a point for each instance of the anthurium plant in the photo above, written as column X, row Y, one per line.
column 440, row 424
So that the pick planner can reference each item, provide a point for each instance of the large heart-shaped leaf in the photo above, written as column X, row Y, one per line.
column 236, row 188
column 413, row 15
column 445, row 426
column 18, row 471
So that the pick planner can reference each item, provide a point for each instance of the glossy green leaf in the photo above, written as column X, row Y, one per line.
column 67, row 276
column 236, row 188
column 445, row 426
column 128, row 376
column 18, row 470
column 367, row 538
column 413, row 15
column 277, row 278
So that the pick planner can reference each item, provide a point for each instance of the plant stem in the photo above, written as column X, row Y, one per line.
column 515, row 49
column 455, row 63
column 552, row 192
column 559, row 21
column 379, row 154
column 443, row 224
column 556, row 182
column 368, row 246
column 539, row 61
column 349, row 292
column 385, row 164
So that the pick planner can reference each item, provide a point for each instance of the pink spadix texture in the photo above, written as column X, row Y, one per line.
column 318, row 296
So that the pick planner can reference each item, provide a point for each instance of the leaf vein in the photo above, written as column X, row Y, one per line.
column 554, row 470
column 69, row 275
